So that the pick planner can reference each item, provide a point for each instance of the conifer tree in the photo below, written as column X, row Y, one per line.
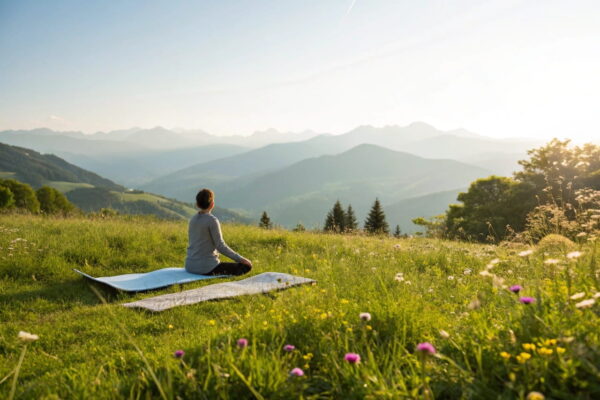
column 339, row 217
column 265, row 221
column 329, row 222
column 375, row 222
column 351, row 222
column 397, row 232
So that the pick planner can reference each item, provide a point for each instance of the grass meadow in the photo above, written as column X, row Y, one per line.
column 456, row 296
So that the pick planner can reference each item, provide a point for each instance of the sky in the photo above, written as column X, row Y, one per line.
column 501, row 68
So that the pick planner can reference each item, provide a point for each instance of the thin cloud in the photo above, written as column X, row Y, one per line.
column 351, row 7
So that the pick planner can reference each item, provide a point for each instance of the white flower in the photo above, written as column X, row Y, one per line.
column 365, row 316
column 578, row 296
column 574, row 254
column 581, row 234
column 485, row 273
column 475, row 304
column 596, row 296
column 495, row 261
column 27, row 337
column 585, row 303
column 467, row 271
column 399, row 277
column 551, row 261
column 408, row 282
column 525, row 253
column 450, row 278
column 444, row 334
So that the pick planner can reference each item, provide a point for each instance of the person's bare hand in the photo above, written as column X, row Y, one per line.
column 247, row 262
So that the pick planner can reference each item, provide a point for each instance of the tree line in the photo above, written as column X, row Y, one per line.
column 339, row 220
column 21, row 196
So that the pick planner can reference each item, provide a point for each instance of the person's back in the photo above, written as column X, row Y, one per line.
column 206, row 242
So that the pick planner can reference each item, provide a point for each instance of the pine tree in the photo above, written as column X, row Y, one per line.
column 397, row 232
column 336, row 219
column 351, row 222
column 375, row 222
column 265, row 221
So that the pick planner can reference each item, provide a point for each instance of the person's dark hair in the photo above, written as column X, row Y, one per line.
column 204, row 198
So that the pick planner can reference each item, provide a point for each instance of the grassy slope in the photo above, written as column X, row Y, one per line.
column 85, row 348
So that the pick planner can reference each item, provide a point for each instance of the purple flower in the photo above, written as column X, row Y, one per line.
column 296, row 372
column 527, row 300
column 515, row 288
column 426, row 348
column 179, row 354
column 352, row 358
column 289, row 348
column 365, row 316
column 242, row 343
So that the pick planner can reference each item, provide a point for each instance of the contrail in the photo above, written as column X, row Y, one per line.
column 351, row 6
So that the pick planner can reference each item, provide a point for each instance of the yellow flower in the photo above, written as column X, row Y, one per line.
column 308, row 356
column 344, row 301
column 529, row 346
column 265, row 323
column 535, row 396
column 550, row 342
column 560, row 350
column 545, row 351
column 505, row 355
column 323, row 316
column 170, row 326
column 523, row 357
column 369, row 327
column 212, row 322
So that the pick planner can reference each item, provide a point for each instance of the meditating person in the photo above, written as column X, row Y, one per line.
column 205, row 239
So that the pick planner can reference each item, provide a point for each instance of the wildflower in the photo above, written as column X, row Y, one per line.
column 525, row 253
column 515, row 288
column 27, row 337
column 408, row 283
column 212, row 322
column 528, row 346
column 242, row 343
column 505, row 355
column 560, row 350
column 535, row 396
column 399, row 277
column 551, row 261
column 574, row 254
column 545, row 351
column 550, row 342
column 581, row 234
column 179, row 354
column 344, row 301
column 596, row 295
column 397, row 246
column 289, row 348
column 523, row 357
column 426, row 348
column 450, row 277
column 365, row 316
column 308, row 356
column 586, row 303
column 467, row 271
column 444, row 334
column 170, row 326
column 527, row 300
column 485, row 273
column 578, row 296
column 352, row 358
column 296, row 372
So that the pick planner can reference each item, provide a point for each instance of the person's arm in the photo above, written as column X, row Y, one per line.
column 221, row 246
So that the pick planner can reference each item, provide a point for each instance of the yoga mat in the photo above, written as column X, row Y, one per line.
column 263, row 283
column 149, row 280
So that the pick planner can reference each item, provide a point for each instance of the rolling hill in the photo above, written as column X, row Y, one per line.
column 89, row 191
column 305, row 191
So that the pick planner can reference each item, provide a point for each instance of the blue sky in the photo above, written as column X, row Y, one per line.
column 502, row 68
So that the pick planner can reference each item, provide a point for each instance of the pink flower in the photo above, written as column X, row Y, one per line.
column 179, row 354
column 296, row 372
column 527, row 300
column 242, row 343
column 515, row 288
column 289, row 347
column 352, row 358
column 365, row 316
column 426, row 348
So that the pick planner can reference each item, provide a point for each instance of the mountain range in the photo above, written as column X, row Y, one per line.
column 296, row 177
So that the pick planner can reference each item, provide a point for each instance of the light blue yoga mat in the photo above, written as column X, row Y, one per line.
column 149, row 280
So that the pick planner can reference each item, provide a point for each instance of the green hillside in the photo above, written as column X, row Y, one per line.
column 305, row 191
column 455, row 296
column 89, row 191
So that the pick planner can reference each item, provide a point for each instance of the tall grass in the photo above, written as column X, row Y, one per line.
column 94, row 349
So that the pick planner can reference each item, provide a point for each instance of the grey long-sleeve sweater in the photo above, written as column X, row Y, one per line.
column 205, row 238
